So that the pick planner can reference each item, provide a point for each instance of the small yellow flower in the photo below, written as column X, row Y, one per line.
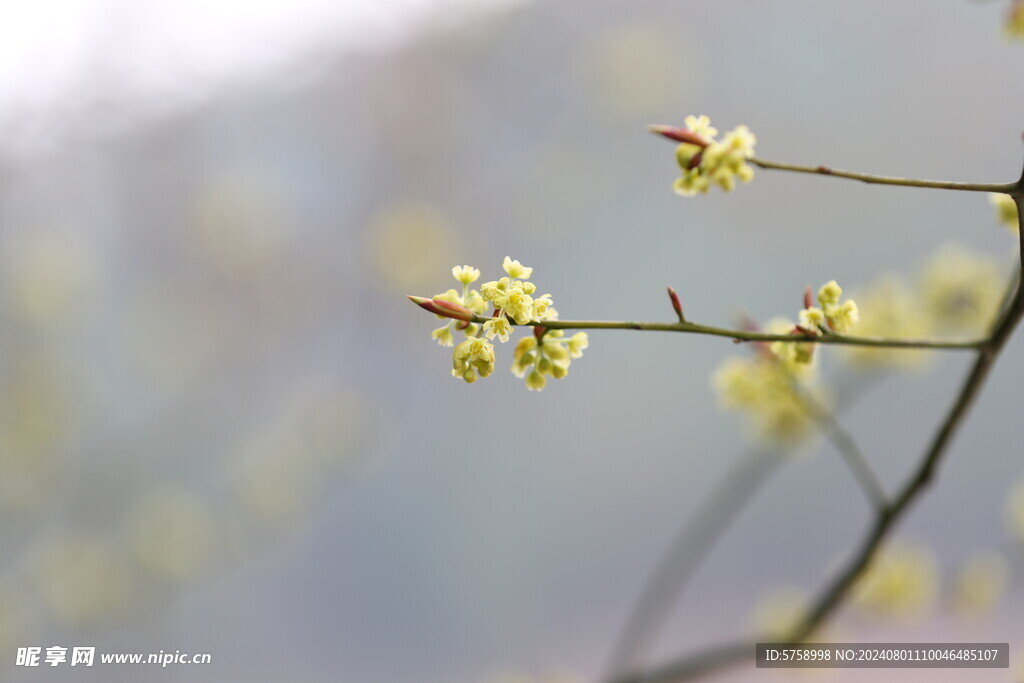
column 475, row 302
column 465, row 274
column 541, row 306
column 498, row 327
column 741, row 141
column 535, row 381
column 829, row 294
column 691, row 183
column 515, row 269
column 519, row 306
column 443, row 335
column 1006, row 209
column 845, row 316
column 701, row 125
column 577, row 344
column 812, row 319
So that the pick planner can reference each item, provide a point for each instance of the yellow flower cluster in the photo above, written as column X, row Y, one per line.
column 833, row 316
column 549, row 355
column 469, row 298
column 902, row 582
column 707, row 161
column 547, row 352
column 1006, row 208
column 474, row 356
column 836, row 316
column 513, row 298
column 766, row 390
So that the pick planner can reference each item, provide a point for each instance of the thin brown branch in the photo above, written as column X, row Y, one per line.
column 884, row 180
column 457, row 312
column 887, row 517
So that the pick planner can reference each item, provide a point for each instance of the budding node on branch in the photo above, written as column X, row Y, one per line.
column 676, row 305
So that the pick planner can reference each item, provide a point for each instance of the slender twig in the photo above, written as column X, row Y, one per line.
column 698, row 536
column 845, row 444
column 736, row 335
column 691, row 545
column 885, row 519
column 1004, row 188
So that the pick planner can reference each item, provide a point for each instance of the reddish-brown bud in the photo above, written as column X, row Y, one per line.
column 450, row 310
column 808, row 297
column 680, row 135
column 443, row 308
column 676, row 305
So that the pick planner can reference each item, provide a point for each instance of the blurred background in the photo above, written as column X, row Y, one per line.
column 224, row 429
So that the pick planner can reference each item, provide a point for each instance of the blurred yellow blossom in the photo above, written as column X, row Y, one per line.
column 51, row 278
column 961, row 289
column 83, row 580
column 278, row 483
column 901, row 582
column 1006, row 210
column 980, row 583
column 241, row 220
column 892, row 310
column 407, row 242
column 628, row 67
column 765, row 390
column 1014, row 26
column 779, row 612
column 171, row 533
column 12, row 619
column 797, row 357
column 1015, row 511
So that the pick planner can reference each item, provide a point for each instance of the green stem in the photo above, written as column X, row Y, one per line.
column 1005, row 188
column 749, row 336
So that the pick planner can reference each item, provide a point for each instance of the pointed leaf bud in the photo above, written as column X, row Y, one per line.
column 676, row 306
column 680, row 135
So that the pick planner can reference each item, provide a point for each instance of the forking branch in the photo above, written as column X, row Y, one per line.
column 887, row 514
